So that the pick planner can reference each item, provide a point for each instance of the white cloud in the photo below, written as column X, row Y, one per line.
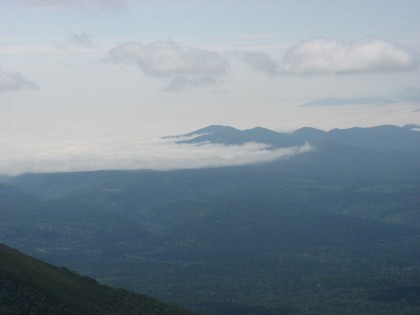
column 167, row 58
column 322, row 56
column 157, row 154
column 186, row 67
column 76, row 4
column 12, row 81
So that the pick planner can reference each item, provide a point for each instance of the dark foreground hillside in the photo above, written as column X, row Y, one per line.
column 29, row 286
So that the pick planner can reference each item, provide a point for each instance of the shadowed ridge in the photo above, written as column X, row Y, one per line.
column 30, row 286
column 231, row 136
column 309, row 134
column 411, row 126
column 379, row 138
column 212, row 129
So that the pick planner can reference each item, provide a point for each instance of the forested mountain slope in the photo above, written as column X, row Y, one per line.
column 30, row 286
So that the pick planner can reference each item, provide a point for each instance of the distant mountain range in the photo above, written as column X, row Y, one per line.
column 379, row 138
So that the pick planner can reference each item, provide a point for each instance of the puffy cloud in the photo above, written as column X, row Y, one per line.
column 186, row 67
column 322, row 56
column 189, row 68
column 167, row 58
column 11, row 81
column 76, row 4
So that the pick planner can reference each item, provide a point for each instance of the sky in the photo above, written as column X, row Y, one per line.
column 95, row 84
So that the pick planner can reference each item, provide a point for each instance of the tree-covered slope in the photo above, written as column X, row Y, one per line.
column 30, row 286
column 273, row 243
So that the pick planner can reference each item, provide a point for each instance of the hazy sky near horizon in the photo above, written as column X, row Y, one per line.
column 97, row 82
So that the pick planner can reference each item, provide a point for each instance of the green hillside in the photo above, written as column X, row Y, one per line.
column 29, row 286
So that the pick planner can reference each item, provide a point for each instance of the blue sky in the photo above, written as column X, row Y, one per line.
column 78, row 76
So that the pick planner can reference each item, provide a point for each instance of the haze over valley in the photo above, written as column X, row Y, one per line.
column 209, row 157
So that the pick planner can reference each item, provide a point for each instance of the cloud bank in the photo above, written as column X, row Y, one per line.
column 117, row 154
column 187, row 67
column 326, row 57
column 12, row 81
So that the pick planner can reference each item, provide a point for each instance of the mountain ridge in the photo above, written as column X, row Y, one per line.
column 378, row 138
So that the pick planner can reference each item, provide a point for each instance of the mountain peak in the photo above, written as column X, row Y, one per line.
column 232, row 136
column 212, row 129
column 377, row 138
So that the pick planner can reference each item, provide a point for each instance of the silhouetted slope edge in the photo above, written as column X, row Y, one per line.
column 30, row 286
